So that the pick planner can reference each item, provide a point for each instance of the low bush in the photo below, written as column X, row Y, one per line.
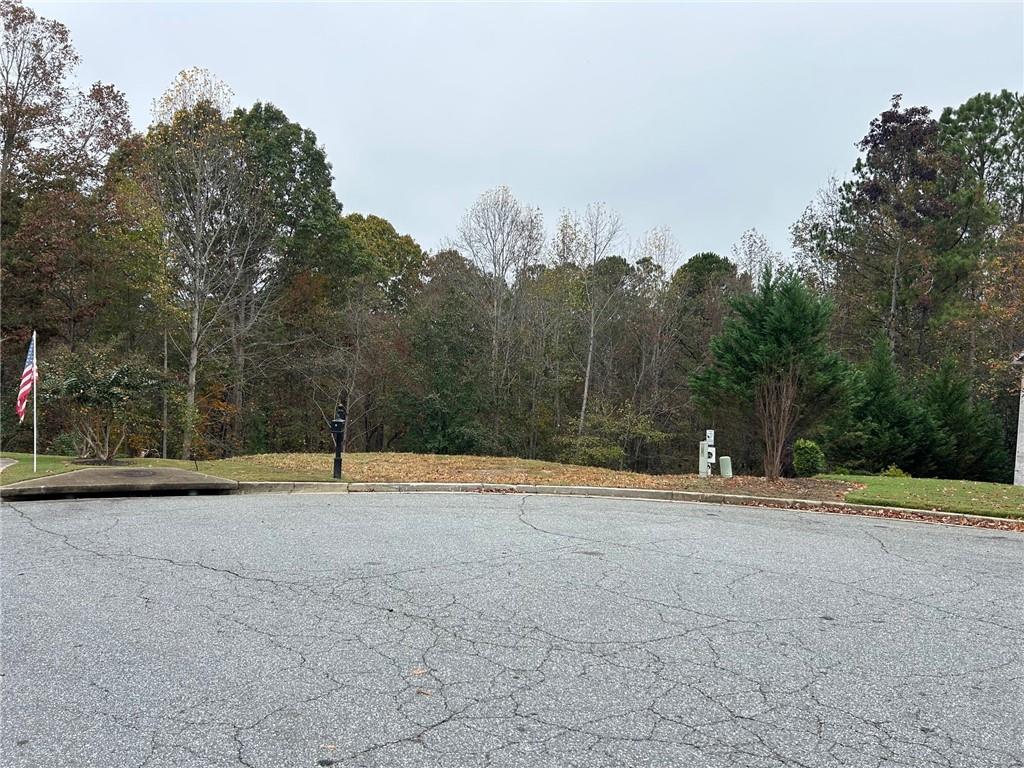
column 591, row 452
column 893, row 471
column 68, row 444
column 808, row 458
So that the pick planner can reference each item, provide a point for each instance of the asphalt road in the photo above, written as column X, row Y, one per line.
column 502, row 630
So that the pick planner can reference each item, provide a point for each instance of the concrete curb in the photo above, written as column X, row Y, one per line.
column 118, row 481
column 43, row 492
column 288, row 486
column 55, row 488
column 649, row 494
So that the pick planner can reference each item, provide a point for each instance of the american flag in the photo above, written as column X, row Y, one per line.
column 28, row 379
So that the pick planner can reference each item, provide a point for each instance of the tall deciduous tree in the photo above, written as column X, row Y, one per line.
column 36, row 58
column 754, row 255
column 304, row 227
column 56, row 144
column 585, row 241
column 502, row 237
column 649, row 330
column 217, row 219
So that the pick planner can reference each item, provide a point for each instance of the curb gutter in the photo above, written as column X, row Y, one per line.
column 693, row 497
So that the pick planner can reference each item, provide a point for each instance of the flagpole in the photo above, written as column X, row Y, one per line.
column 35, row 417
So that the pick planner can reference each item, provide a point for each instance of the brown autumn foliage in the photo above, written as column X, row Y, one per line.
column 427, row 468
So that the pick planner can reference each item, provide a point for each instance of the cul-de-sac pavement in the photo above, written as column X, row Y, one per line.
column 503, row 630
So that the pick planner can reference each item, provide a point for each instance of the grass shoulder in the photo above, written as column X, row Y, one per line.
column 243, row 468
column 22, row 468
column 964, row 496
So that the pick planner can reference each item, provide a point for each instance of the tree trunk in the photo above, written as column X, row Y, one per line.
column 190, row 396
column 558, row 384
column 344, row 433
column 972, row 346
column 775, row 404
column 163, row 421
column 890, row 326
column 531, row 450
column 238, row 352
column 586, row 376
column 495, row 342
column 771, row 441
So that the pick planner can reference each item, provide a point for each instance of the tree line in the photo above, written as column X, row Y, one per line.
column 199, row 291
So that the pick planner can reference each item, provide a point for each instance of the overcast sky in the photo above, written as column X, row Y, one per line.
column 709, row 119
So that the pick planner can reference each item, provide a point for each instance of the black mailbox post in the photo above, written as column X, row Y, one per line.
column 338, row 430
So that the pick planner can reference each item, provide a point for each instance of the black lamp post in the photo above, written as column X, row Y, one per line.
column 338, row 430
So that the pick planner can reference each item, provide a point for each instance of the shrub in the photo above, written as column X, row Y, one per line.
column 102, row 394
column 68, row 444
column 893, row 471
column 808, row 458
column 841, row 470
column 623, row 426
column 591, row 452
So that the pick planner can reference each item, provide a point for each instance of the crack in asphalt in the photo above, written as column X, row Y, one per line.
column 654, row 650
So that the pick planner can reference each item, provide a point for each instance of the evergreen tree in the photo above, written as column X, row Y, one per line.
column 773, row 354
column 972, row 443
column 883, row 424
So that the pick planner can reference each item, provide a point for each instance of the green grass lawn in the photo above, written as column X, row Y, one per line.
column 965, row 496
column 242, row 468
column 46, row 465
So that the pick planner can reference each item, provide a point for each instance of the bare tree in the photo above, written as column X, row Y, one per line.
column 250, row 294
column 217, row 226
column 655, row 256
column 190, row 87
column 503, row 237
column 754, row 255
column 815, row 237
column 586, row 241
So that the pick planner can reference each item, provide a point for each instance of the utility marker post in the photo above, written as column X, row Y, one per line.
column 338, row 431
column 707, row 454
